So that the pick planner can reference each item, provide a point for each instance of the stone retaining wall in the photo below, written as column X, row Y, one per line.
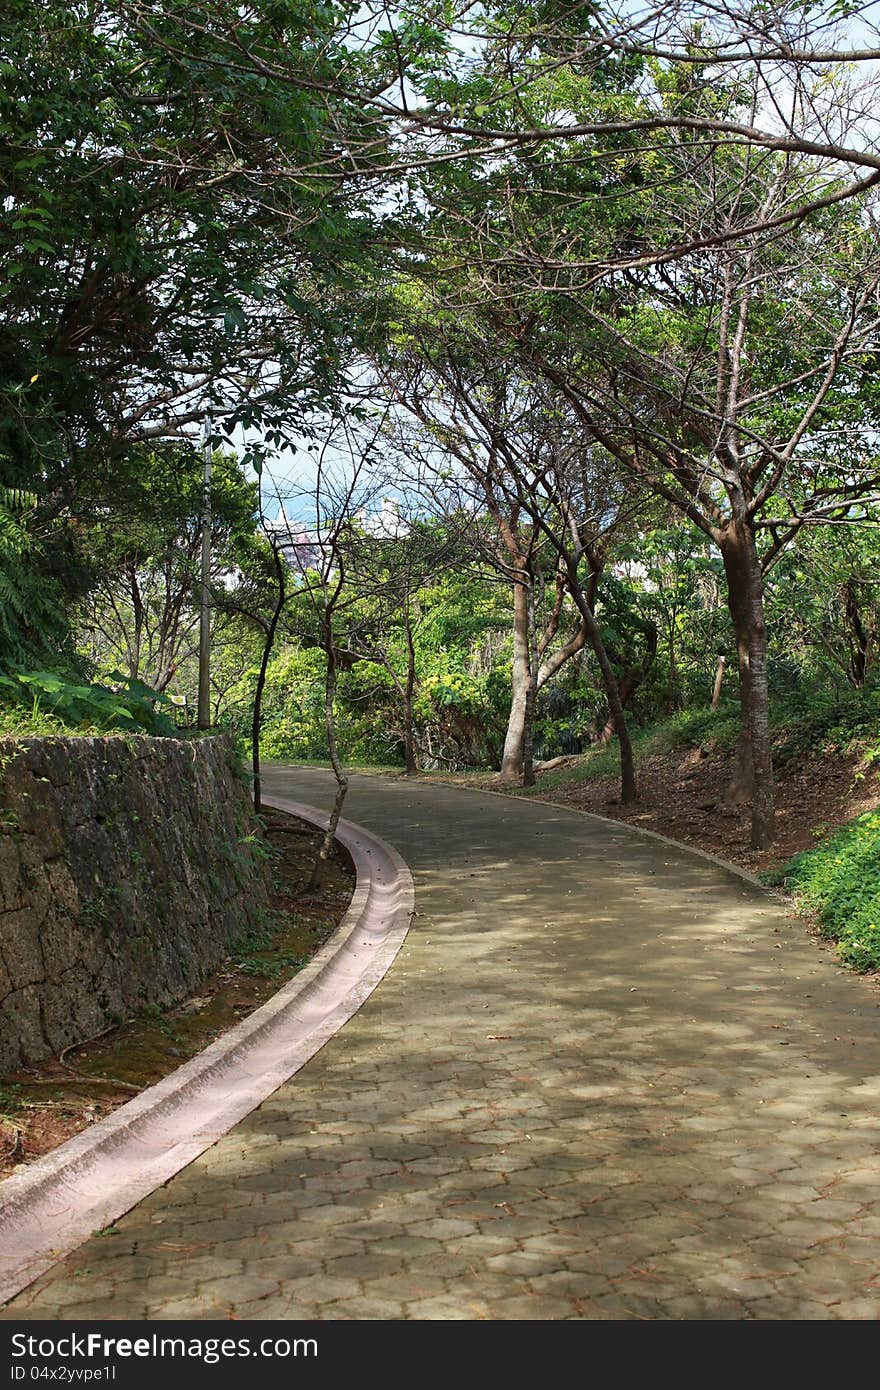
column 125, row 873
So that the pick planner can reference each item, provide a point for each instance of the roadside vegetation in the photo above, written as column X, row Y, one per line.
column 838, row 883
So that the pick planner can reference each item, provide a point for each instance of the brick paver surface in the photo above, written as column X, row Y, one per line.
column 604, row 1079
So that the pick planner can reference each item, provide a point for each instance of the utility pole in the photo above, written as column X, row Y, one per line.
column 204, row 715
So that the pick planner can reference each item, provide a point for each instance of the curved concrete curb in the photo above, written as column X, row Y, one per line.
column 94, row 1178
column 626, row 825
column 652, row 835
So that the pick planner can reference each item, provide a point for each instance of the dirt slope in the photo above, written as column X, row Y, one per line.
column 681, row 794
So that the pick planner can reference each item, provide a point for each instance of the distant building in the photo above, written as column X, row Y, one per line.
column 301, row 545
column 387, row 523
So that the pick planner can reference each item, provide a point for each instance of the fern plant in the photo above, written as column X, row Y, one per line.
column 31, row 617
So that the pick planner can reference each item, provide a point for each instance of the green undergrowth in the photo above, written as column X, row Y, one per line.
column 838, row 883
column 41, row 704
column 820, row 719
column 809, row 721
column 364, row 769
column 717, row 729
column 263, row 952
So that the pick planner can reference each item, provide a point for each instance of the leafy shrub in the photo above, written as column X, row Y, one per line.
column 45, row 702
column 839, row 881
column 836, row 718
column 691, row 728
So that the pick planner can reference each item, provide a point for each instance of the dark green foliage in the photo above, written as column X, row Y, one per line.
column 143, row 548
column 31, row 617
column 817, row 716
column 144, row 231
column 174, row 232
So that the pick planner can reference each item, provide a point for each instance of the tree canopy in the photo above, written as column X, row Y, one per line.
column 589, row 295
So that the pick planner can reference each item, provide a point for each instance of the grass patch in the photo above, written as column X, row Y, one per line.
column 36, row 723
column 598, row 762
column 10, row 1099
column 261, row 953
column 839, row 883
column 842, row 721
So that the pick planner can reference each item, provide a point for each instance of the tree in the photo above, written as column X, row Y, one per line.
column 141, row 613
column 391, row 559
column 681, row 588
column 176, row 234
column 342, row 485
column 687, row 372
column 734, row 424
column 824, row 594
column 517, row 461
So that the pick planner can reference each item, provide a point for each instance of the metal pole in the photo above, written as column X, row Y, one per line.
column 204, row 715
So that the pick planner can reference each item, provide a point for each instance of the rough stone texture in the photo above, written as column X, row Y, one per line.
column 605, row 1078
column 123, row 877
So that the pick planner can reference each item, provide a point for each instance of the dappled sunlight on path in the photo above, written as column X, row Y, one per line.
column 604, row 1078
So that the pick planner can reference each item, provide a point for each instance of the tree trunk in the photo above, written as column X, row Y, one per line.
column 609, row 679
column 745, row 600
column 858, row 637
column 329, row 835
column 257, row 716
column 672, row 678
column 137, row 607
column 528, row 765
column 632, row 679
column 409, row 733
column 719, row 678
column 627, row 687
column 512, row 757
column 257, row 721
column 163, row 678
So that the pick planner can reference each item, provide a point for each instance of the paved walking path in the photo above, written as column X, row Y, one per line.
column 605, row 1078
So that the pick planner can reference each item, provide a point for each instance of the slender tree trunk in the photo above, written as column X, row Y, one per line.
column 745, row 597
column 333, row 749
column 512, row 757
column 163, row 678
column 719, row 678
column 409, row 733
column 528, row 765
column 257, row 715
column 672, row 687
column 858, row 637
column 632, row 679
column 134, row 655
column 628, row 792
column 627, row 687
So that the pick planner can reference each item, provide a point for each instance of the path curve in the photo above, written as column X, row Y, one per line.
column 50, row 1207
column 605, row 1078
